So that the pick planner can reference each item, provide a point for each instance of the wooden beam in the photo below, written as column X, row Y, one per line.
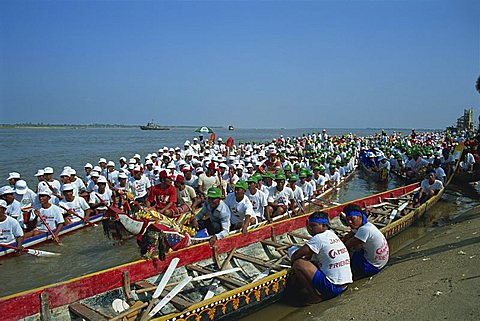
column 44, row 307
column 126, row 287
column 86, row 312
column 299, row 235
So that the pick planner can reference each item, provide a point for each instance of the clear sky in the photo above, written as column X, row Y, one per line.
column 253, row 64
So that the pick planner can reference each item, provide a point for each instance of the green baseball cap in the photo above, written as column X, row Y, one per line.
column 292, row 178
column 214, row 192
column 303, row 175
column 280, row 176
column 252, row 179
column 287, row 168
column 241, row 184
column 268, row 175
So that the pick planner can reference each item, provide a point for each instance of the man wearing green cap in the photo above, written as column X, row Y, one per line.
column 279, row 199
column 218, row 222
column 304, row 185
column 297, row 192
column 319, row 179
column 241, row 208
column 256, row 197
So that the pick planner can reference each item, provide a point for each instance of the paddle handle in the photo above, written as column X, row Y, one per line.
column 8, row 246
column 55, row 238
column 74, row 214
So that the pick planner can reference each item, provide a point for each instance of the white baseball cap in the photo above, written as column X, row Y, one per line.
column 171, row 166
column 73, row 172
column 13, row 175
column 95, row 174
column 67, row 187
column 110, row 163
column 3, row 204
column 39, row 173
column 45, row 191
column 97, row 169
column 136, row 156
column 48, row 170
column 102, row 179
column 123, row 159
column 149, row 162
column 187, row 143
column 21, row 187
column 88, row 165
column 122, row 175
column 65, row 173
column 7, row 190
column 102, row 160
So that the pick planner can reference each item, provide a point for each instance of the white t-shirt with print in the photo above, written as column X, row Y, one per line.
column 79, row 205
column 52, row 215
column 9, row 230
column 374, row 245
column 282, row 197
column 240, row 209
column 259, row 201
column 331, row 257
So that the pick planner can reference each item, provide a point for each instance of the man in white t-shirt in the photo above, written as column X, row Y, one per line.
column 322, row 265
column 429, row 187
column 101, row 197
column 367, row 245
column 241, row 209
column 280, row 198
column 10, row 229
column 74, row 205
column 256, row 197
column 140, row 185
column 51, row 214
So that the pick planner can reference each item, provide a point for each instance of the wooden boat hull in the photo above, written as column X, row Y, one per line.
column 13, row 307
column 35, row 240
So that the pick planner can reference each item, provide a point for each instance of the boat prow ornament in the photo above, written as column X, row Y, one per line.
column 156, row 233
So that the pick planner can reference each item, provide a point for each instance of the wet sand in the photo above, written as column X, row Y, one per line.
column 435, row 278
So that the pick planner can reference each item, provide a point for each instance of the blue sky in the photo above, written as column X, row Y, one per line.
column 254, row 64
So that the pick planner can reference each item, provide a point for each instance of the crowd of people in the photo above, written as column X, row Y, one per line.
column 235, row 186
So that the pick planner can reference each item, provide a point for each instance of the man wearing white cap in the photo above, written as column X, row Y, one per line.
column 102, row 162
column 149, row 172
column 40, row 176
column 13, row 178
column 74, row 204
column 28, row 200
column 10, row 229
column 52, row 214
column 196, row 146
column 140, row 185
column 77, row 183
column 13, row 208
column 101, row 197
column 88, row 170
column 112, row 174
column 190, row 179
column 50, row 184
column 123, row 163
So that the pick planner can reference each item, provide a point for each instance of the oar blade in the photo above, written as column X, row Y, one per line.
column 41, row 253
column 170, row 296
column 166, row 277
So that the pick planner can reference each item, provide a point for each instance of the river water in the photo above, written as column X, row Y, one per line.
column 88, row 250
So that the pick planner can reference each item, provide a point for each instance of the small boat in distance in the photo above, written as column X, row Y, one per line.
column 230, row 127
column 152, row 126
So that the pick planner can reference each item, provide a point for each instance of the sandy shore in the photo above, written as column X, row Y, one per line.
column 435, row 278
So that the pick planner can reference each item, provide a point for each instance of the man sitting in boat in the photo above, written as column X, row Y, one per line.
column 241, row 209
column 187, row 199
column 52, row 214
column 14, row 208
column 218, row 221
column 163, row 196
column 429, row 187
column 208, row 179
column 140, row 185
column 321, row 266
column 101, row 197
column 10, row 229
column 256, row 196
column 367, row 245
column 74, row 205
column 280, row 198
column 297, row 192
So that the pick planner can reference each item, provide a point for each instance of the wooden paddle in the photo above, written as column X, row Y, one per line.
column 169, row 297
column 71, row 211
column 30, row 251
column 55, row 237
column 161, row 286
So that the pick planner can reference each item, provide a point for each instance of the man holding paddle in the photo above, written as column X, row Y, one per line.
column 51, row 217
column 10, row 229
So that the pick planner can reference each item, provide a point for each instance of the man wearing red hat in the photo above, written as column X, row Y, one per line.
column 208, row 179
column 186, row 196
column 163, row 196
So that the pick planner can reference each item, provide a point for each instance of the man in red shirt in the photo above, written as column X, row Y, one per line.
column 163, row 196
